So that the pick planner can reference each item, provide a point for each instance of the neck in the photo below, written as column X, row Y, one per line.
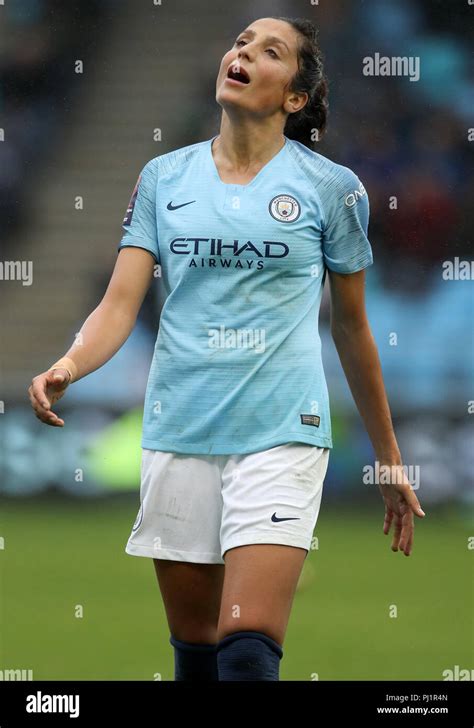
column 243, row 145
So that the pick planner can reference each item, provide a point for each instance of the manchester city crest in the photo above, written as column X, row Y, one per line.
column 284, row 208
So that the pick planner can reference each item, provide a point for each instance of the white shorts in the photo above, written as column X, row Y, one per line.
column 196, row 507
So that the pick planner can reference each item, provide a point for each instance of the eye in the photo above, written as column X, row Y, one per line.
column 274, row 53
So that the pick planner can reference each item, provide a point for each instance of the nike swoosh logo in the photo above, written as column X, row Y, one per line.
column 275, row 519
column 170, row 205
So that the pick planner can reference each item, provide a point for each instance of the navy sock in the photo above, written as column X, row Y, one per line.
column 194, row 661
column 248, row 656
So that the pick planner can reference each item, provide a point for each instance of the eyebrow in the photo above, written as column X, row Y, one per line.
column 269, row 38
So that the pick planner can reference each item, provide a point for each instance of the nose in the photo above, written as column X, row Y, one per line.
column 243, row 51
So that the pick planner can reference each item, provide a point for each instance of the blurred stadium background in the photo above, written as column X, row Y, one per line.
column 68, row 497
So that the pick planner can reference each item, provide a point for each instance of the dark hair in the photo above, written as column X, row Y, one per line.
column 308, row 125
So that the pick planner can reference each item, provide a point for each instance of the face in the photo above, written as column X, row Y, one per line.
column 256, row 73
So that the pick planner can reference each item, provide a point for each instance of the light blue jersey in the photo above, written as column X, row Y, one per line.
column 237, row 363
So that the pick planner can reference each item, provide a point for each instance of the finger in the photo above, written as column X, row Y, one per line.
column 414, row 503
column 38, row 394
column 58, row 422
column 58, row 377
column 55, row 422
column 409, row 545
column 49, row 418
column 396, row 532
column 407, row 529
column 387, row 520
column 41, row 412
column 406, row 543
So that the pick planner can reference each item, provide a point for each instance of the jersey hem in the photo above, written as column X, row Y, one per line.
column 221, row 449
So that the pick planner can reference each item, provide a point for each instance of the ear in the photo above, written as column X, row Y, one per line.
column 295, row 102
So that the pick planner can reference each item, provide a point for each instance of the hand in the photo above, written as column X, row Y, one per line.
column 44, row 391
column 400, row 505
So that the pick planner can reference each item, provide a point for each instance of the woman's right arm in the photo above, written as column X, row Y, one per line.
column 103, row 333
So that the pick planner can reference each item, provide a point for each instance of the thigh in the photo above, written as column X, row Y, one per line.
column 191, row 596
column 259, row 586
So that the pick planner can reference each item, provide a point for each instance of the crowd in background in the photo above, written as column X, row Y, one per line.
column 38, row 85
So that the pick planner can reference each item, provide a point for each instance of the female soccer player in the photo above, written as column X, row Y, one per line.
column 242, row 229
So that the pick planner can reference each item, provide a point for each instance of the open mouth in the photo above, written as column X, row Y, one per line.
column 237, row 73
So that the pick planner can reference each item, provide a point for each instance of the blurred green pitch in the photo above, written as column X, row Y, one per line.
column 62, row 552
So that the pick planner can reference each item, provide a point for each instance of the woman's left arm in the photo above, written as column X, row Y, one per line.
column 360, row 361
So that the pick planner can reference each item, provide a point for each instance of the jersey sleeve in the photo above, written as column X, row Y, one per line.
column 346, row 248
column 139, row 222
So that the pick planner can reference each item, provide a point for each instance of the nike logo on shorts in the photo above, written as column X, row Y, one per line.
column 275, row 519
